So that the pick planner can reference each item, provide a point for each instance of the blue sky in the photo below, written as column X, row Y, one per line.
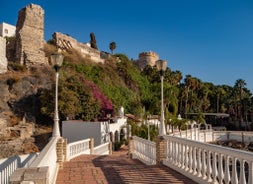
column 208, row 39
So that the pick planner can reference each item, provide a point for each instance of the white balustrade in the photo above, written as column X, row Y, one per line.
column 78, row 148
column 144, row 150
column 207, row 163
column 9, row 165
column 102, row 149
column 48, row 158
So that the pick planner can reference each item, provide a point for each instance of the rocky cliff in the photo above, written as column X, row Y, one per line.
column 20, row 114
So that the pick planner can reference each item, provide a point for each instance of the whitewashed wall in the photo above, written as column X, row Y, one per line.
column 74, row 130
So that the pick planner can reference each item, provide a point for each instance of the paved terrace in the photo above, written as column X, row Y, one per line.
column 117, row 168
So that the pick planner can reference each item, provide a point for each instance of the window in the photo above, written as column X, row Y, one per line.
column 6, row 31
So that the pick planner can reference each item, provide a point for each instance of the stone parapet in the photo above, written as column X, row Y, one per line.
column 66, row 42
column 30, row 175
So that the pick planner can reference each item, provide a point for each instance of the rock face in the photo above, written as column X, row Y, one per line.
column 3, row 60
column 19, row 94
column 30, row 36
column 19, row 98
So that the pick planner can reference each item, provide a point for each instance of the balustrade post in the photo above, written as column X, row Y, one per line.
column 215, row 172
column 234, row 178
column 209, row 166
column 220, row 169
column 203, row 164
column 65, row 149
column 227, row 172
column 190, row 159
column 131, row 147
column 250, row 172
column 182, row 156
column 60, row 152
column 242, row 172
column 186, row 159
column 160, row 150
column 194, row 160
column 110, row 147
column 91, row 145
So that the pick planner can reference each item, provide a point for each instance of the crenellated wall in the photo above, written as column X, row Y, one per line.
column 147, row 58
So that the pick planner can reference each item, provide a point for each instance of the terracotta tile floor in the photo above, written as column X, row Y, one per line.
column 117, row 168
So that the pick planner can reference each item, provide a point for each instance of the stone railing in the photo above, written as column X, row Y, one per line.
column 207, row 163
column 206, row 135
column 9, row 165
column 209, row 135
column 86, row 147
column 103, row 149
column 44, row 168
column 143, row 150
column 78, row 148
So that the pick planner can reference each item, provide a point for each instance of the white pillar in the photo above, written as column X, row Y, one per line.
column 56, row 129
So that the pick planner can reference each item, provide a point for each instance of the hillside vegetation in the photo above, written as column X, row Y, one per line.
column 90, row 91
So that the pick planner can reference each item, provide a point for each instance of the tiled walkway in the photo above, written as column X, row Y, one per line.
column 116, row 169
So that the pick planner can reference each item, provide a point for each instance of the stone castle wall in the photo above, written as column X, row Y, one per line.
column 30, row 36
column 147, row 58
column 3, row 59
column 66, row 42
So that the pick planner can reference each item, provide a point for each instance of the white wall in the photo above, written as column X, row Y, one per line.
column 118, row 123
column 7, row 30
column 75, row 130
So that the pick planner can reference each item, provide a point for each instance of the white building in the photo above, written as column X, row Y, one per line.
column 76, row 130
column 114, row 130
column 7, row 30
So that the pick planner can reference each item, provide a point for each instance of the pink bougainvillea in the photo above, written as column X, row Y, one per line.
column 105, row 104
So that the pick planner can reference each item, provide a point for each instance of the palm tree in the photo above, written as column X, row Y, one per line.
column 239, row 86
column 112, row 46
column 219, row 93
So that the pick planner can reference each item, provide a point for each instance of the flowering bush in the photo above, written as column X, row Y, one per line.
column 105, row 104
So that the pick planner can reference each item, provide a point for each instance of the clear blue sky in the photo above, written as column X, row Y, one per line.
column 208, row 39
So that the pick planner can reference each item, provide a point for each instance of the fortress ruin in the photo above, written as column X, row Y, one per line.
column 66, row 42
column 147, row 58
column 29, row 41
column 27, row 46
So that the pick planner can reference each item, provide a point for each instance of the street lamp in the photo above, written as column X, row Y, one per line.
column 161, row 66
column 56, row 60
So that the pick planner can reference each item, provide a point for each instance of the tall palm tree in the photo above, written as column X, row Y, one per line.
column 219, row 93
column 112, row 46
column 238, row 87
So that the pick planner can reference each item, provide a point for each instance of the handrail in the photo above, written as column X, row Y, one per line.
column 78, row 148
column 207, row 163
column 102, row 149
column 144, row 150
column 9, row 165
column 48, row 158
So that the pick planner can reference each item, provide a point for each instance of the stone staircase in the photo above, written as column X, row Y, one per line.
column 117, row 168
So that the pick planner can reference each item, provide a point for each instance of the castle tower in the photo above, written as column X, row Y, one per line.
column 30, row 36
column 147, row 58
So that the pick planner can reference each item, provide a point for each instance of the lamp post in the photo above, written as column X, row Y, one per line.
column 56, row 60
column 161, row 66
